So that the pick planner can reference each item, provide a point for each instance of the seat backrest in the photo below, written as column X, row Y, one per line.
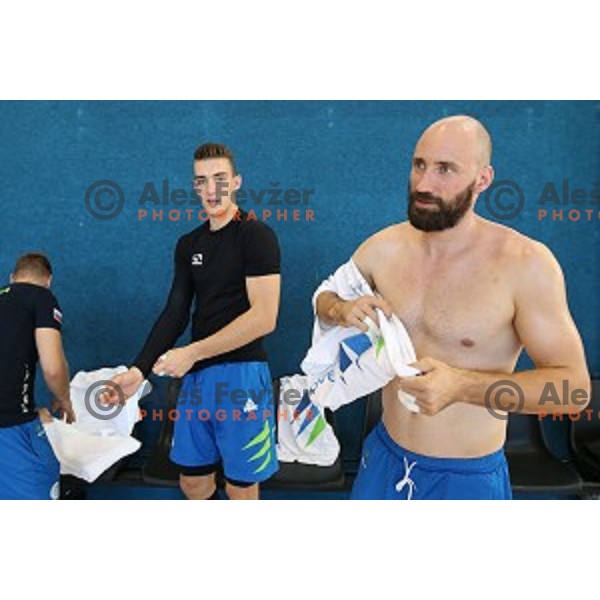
column 172, row 393
column 587, row 426
column 276, row 401
column 373, row 410
column 524, row 434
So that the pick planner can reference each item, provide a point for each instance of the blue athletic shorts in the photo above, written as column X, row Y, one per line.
column 225, row 413
column 389, row 472
column 29, row 469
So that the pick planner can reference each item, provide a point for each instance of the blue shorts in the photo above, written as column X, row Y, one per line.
column 29, row 469
column 225, row 413
column 389, row 472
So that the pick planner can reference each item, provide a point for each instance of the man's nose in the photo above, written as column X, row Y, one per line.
column 422, row 182
column 211, row 187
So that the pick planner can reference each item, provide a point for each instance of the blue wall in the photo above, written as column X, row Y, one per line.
column 112, row 277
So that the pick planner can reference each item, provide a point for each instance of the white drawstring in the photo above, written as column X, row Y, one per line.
column 406, row 479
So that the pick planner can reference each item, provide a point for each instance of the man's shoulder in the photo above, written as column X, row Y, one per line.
column 46, row 297
column 189, row 237
column 30, row 290
column 30, row 298
column 513, row 244
column 382, row 247
column 522, row 254
column 253, row 226
column 389, row 239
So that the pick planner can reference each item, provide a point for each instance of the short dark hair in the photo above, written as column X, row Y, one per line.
column 33, row 263
column 212, row 150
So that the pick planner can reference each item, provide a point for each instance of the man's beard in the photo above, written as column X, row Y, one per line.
column 446, row 216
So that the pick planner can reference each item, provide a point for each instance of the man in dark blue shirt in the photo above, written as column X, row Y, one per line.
column 30, row 326
column 230, row 266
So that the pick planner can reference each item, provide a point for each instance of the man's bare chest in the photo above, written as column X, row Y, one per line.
column 460, row 308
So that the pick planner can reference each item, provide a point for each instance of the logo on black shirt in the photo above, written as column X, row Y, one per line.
column 197, row 260
column 57, row 316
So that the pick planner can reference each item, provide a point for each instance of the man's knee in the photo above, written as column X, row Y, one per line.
column 241, row 492
column 197, row 487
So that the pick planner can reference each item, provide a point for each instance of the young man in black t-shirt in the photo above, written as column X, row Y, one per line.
column 30, row 325
column 230, row 266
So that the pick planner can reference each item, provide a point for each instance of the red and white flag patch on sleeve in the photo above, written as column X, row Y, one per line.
column 57, row 316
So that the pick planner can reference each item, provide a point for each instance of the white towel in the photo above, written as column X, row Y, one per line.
column 344, row 363
column 104, row 419
column 86, row 455
column 303, row 434
column 99, row 437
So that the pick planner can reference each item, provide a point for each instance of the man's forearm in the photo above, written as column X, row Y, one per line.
column 166, row 330
column 549, row 390
column 58, row 383
column 246, row 328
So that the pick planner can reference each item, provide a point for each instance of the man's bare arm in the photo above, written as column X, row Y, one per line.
column 259, row 320
column 545, row 327
column 333, row 310
column 54, row 367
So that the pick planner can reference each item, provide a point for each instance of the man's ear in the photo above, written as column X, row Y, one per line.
column 486, row 176
column 12, row 278
column 49, row 281
column 237, row 182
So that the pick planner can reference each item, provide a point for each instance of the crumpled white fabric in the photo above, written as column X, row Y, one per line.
column 303, row 434
column 345, row 363
column 89, row 418
column 86, row 455
column 91, row 445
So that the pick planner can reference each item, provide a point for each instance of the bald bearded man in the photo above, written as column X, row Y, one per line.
column 472, row 294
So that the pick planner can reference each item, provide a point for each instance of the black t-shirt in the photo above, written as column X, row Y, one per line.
column 212, row 266
column 24, row 307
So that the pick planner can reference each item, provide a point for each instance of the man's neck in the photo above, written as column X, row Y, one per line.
column 219, row 221
column 441, row 244
column 31, row 281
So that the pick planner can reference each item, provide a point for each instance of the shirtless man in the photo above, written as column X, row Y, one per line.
column 472, row 294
